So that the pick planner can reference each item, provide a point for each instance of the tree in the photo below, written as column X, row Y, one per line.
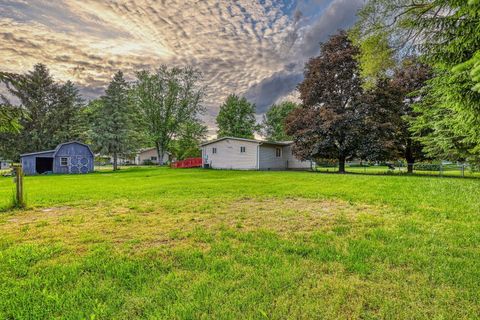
column 113, row 129
column 409, row 81
column 329, row 124
column 273, row 126
column 236, row 118
column 9, row 115
column 47, row 113
column 187, row 144
column 169, row 100
column 445, row 33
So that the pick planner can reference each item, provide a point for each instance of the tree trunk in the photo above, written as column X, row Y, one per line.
column 341, row 165
column 160, row 153
column 115, row 161
column 409, row 156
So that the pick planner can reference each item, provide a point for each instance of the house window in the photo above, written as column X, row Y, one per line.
column 64, row 162
column 214, row 150
column 278, row 152
column 153, row 158
column 242, row 149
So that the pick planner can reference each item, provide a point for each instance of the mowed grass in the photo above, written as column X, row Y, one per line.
column 197, row 244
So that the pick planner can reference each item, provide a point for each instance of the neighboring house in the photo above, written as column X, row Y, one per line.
column 150, row 155
column 69, row 157
column 5, row 164
column 249, row 154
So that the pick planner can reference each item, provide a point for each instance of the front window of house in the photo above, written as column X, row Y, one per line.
column 64, row 161
column 278, row 152
column 153, row 158
column 242, row 149
column 214, row 150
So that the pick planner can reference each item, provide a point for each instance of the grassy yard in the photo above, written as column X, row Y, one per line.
column 196, row 244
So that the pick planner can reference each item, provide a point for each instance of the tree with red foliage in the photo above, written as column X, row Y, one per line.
column 330, row 123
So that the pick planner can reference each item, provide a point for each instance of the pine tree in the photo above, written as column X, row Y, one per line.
column 113, row 130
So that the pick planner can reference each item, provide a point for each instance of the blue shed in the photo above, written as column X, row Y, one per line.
column 69, row 157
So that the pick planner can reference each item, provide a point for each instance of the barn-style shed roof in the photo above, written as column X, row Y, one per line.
column 54, row 152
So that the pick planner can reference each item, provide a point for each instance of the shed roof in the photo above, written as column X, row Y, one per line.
column 57, row 148
column 278, row 143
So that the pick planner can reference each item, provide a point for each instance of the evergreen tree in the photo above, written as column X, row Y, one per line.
column 236, row 118
column 48, row 114
column 113, row 130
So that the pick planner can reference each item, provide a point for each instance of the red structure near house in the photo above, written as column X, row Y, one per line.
column 188, row 163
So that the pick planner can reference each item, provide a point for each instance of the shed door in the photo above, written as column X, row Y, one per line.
column 79, row 164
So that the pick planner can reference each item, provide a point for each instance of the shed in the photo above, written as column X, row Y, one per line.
column 69, row 157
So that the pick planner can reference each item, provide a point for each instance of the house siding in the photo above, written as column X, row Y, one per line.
column 228, row 155
column 80, row 160
column 148, row 154
column 29, row 161
column 269, row 160
column 294, row 163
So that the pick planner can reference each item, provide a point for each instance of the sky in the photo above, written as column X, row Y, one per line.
column 254, row 48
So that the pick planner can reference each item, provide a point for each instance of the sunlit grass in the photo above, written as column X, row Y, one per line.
column 164, row 243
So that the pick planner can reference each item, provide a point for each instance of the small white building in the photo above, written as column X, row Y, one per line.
column 249, row 154
column 150, row 155
column 5, row 164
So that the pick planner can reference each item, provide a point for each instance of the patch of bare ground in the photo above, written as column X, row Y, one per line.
column 289, row 215
column 137, row 229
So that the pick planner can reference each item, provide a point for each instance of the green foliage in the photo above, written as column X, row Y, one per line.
column 236, row 118
column 114, row 128
column 48, row 112
column 273, row 126
column 375, row 58
column 191, row 134
column 447, row 34
column 170, row 103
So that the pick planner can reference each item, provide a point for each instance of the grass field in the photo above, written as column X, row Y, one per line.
column 196, row 244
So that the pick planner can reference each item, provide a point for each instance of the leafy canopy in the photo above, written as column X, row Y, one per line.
column 236, row 118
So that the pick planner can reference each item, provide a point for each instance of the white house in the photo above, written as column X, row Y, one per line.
column 150, row 156
column 249, row 154
column 4, row 164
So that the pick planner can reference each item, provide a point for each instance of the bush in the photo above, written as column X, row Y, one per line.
column 148, row 162
column 427, row 167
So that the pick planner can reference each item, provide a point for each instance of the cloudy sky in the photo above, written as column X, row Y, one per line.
column 255, row 48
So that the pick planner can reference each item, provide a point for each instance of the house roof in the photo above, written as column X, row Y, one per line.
column 57, row 148
column 278, row 143
column 149, row 149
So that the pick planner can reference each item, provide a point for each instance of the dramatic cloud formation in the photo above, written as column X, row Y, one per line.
column 254, row 48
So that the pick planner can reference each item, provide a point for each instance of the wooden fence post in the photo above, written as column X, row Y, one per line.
column 19, row 200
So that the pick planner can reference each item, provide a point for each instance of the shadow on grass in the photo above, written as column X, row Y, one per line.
column 398, row 174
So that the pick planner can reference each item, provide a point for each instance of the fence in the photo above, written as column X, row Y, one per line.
column 434, row 169
column 188, row 163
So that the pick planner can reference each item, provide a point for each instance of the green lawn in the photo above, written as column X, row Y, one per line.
column 160, row 243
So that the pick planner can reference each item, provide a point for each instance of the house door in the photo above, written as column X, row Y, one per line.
column 79, row 164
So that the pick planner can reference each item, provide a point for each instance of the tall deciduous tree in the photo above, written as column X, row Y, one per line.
column 191, row 134
column 236, row 118
column 113, row 129
column 49, row 111
column 330, row 124
column 168, row 99
column 273, row 125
